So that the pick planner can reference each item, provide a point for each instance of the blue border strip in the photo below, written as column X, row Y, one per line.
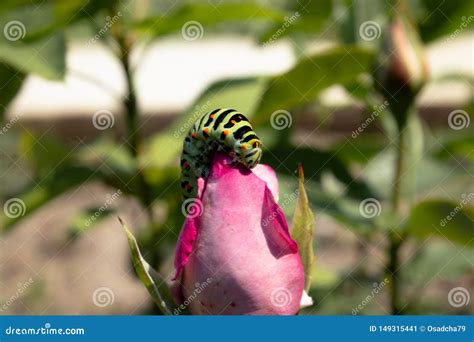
column 242, row 328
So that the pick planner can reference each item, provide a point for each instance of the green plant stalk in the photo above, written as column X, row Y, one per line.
column 395, row 241
column 132, row 117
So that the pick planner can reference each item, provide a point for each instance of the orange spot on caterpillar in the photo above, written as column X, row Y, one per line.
column 193, row 134
column 206, row 130
column 233, row 121
column 243, row 147
column 226, row 132
column 212, row 116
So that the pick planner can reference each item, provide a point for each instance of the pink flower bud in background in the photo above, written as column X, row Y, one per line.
column 237, row 257
column 408, row 63
column 402, row 69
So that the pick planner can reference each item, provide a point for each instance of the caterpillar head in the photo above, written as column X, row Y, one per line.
column 250, row 153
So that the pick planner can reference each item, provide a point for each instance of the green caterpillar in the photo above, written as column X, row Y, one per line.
column 224, row 130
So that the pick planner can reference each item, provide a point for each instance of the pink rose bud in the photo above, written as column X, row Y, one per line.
column 402, row 69
column 237, row 256
column 408, row 62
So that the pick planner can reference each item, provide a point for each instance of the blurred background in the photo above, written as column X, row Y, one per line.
column 375, row 99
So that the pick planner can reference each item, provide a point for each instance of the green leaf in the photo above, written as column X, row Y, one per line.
column 302, row 230
column 154, row 283
column 112, row 162
column 360, row 149
column 10, row 83
column 27, row 22
column 444, row 18
column 8, row 5
column 380, row 171
column 68, row 12
column 339, row 205
column 38, row 19
column 43, row 153
column 33, row 39
column 331, row 187
column 306, row 17
column 454, row 145
column 44, row 57
column 317, row 165
column 300, row 85
column 446, row 219
column 426, row 262
column 434, row 262
column 206, row 15
column 362, row 21
column 360, row 88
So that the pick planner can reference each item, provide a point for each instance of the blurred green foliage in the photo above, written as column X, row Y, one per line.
column 338, row 177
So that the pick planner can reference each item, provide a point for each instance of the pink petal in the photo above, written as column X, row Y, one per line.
column 184, row 245
column 189, row 232
column 267, row 174
column 238, row 257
